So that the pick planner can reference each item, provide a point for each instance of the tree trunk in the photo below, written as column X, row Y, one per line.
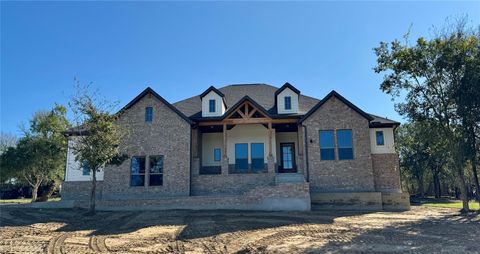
column 92, row 194
column 474, row 163
column 436, row 182
column 463, row 188
column 35, row 192
column 421, row 191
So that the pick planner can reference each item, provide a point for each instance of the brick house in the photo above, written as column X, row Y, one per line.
column 249, row 146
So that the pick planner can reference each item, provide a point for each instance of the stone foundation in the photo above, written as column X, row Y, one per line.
column 281, row 197
column 364, row 201
column 396, row 201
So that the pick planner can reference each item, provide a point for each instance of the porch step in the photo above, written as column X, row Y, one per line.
column 289, row 178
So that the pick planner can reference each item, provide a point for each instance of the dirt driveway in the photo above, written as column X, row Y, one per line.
column 421, row 230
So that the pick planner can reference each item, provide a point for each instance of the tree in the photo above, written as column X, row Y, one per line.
column 98, row 140
column 40, row 155
column 428, row 74
column 6, row 141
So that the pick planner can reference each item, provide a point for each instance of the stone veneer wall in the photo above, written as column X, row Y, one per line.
column 386, row 172
column 339, row 175
column 229, row 184
column 80, row 190
column 168, row 135
column 286, row 196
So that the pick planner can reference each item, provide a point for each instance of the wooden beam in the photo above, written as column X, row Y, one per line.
column 240, row 113
column 251, row 113
column 248, row 121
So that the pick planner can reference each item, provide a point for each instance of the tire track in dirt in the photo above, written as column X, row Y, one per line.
column 56, row 244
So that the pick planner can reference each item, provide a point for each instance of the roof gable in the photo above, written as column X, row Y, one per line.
column 149, row 90
column 212, row 88
column 333, row 93
column 285, row 86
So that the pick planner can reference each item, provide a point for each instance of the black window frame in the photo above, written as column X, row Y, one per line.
column 239, row 169
column 341, row 149
column 148, row 114
column 212, row 105
column 383, row 138
column 289, row 102
column 132, row 174
column 153, row 173
column 259, row 168
column 325, row 149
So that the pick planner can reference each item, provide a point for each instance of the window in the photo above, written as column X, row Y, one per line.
column 217, row 154
column 288, row 102
column 155, row 173
column 137, row 171
column 379, row 137
column 344, row 142
column 258, row 162
column 241, row 157
column 148, row 114
column 327, row 145
column 85, row 169
column 211, row 106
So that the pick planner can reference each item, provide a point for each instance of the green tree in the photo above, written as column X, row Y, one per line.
column 427, row 75
column 40, row 155
column 98, row 140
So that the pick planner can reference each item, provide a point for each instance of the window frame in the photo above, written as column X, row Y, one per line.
column 210, row 105
column 85, row 169
column 289, row 102
column 215, row 150
column 148, row 114
column 327, row 147
column 138, row 174
column 383, row 138
column 344, row 147
column 150, row 173
column 237, row 169
column 252, row 157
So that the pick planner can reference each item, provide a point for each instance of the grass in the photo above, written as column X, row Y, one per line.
column 447, row 203
column 23, row 200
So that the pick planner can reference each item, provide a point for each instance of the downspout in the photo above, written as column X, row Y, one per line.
column 306, row 153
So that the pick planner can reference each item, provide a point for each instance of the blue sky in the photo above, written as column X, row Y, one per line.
column 179, row 49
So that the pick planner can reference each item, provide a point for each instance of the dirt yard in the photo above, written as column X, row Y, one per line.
column 421, row 230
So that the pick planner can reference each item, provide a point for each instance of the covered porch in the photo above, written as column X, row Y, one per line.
column 247, row 141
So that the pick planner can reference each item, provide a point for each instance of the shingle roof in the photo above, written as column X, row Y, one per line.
column 262, row 94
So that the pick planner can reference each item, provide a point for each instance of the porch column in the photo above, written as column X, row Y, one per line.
column 224, row 152
column 196, row 144
column 270, row 160
column 301, row 146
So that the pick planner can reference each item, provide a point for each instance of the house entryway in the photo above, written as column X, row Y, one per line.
column 287, row 158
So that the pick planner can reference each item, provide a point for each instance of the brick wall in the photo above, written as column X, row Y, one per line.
column 339, row 175
column 80, row 190
column 386, row 171
column 229, row 184
column 168, row 135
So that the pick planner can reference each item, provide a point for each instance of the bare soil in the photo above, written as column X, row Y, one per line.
column 421, row 230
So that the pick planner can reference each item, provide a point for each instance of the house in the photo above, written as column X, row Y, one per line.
column 246, row 146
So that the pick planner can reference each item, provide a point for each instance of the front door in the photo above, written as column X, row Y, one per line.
column 287, row 157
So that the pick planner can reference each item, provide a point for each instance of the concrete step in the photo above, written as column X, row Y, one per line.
column 289, row 178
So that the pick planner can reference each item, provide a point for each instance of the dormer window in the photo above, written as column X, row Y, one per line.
column 288, row 102
column 211, row 106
